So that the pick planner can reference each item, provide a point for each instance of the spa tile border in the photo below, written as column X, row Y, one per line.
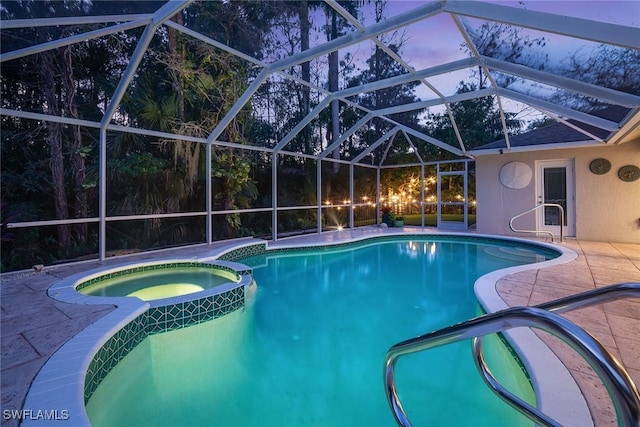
column 113, row 351
column 178, row 316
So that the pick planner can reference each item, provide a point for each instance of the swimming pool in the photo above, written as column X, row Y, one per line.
column 308, row 348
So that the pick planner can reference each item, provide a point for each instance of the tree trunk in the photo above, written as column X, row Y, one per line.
column 179, row 53
column 305, row 26
column 333, row 87
column 76, row 159
column 54, row 138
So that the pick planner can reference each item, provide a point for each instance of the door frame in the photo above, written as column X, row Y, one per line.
column 570, row 211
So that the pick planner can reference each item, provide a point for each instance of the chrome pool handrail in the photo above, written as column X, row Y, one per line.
column 623, row 392
column 551, row 205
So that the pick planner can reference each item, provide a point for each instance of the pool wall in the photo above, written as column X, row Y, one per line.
column 175, row 315
column 74, row 372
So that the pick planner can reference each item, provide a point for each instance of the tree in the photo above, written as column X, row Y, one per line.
column 609, row 66
column 334, row 28
column 380, row 66
column 478, row 121
column 54, row 89
column 73, row 81
column 198, row 85
column 77, row 81
column 505, row 42
column 305, row 107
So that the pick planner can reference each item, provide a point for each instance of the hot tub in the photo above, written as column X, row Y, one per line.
column 159, row 281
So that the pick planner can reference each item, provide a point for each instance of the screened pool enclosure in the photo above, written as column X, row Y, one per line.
column 131, row 126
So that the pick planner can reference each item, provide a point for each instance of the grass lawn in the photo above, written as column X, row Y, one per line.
column 431, row 219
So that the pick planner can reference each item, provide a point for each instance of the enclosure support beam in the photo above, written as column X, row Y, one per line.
column 413, row 147
column 561, row 111
column 274, row 197
column 160, row 16
column 480, row 93
column 209, row 196
column 422, row 195
column 344, row 136
column 588, row 89
column 72, row 39
column 431, row 140
column 412, row 72
column 319, row 194
column 438, row 197
column 460, row 64
column 465, row 206
column 102, row 198
column 484, row 70
column 128, row 74
column 599, row 32
column 389, row 135
column 378, row 201
column 74, row 20
column 388, row 25
column 302, row 124
column 351, row 194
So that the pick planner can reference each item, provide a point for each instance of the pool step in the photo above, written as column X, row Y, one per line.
column 518, row 254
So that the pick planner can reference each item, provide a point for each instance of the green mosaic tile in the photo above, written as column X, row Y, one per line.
column 244, row 252
column 156, row 315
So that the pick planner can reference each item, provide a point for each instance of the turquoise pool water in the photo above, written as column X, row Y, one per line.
column 308, row 348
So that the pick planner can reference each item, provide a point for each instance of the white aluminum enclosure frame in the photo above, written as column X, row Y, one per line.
column 610, row 34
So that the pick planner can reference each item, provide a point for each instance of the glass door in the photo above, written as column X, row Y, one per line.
column 555, row 185
column 452, row 196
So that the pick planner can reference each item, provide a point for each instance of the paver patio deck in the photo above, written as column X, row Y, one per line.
column 615, row 324
column 34, row 326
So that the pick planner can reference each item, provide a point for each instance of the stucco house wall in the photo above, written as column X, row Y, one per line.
column 607, row 208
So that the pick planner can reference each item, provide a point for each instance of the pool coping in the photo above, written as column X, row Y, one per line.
column 48, row 392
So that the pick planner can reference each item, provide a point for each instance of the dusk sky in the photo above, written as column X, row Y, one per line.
column 436, row 40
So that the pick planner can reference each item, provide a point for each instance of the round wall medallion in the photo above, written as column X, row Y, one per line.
column 629, row 173
column 516, row 175
column 600, row 166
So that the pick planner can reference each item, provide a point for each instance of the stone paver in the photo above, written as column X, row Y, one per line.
column 615, row 324
column 34, row 326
